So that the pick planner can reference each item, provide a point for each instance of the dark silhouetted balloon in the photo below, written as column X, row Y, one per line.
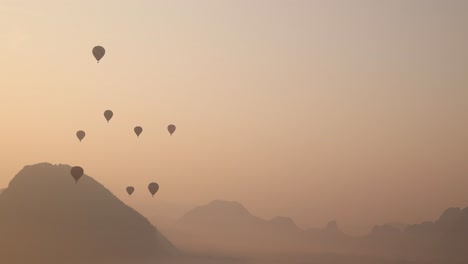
column 108, row 114
column 80, row 135
column 98, row 53
column 171, row 128
column 130, row 190
column 76, row 172
column 153, row 188
column 138, row 130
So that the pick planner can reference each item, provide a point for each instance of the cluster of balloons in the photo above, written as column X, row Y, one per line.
column 108, row 114
column 152, row 187
column 77, row 172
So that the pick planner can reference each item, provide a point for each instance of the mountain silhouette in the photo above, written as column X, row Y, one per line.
column 284, row 225
column 224, row 225
column 445, row 238
column 219, row 214
column 46, row 218
column 330, row 238
column 229, row 226
column 217, row 225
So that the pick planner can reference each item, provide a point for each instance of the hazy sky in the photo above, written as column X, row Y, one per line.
column 355, row 111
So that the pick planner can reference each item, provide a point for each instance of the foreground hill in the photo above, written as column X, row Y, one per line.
column 46, row 218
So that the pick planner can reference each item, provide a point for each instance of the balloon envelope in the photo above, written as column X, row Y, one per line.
column 138, row 130
column 153, row 188
column 80, row 135
column 130, row 190
column 76, row 173
column 98, row 53
column 171, row 128
column 108, row 114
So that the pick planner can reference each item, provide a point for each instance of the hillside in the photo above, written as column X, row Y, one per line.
column 45, row 216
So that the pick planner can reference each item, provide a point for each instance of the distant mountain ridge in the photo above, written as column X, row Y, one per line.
column 44, row 213
column 230, row 225
column 445, row 237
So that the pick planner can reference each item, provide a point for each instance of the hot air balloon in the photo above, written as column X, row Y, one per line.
column 171, row 128
column 153, row 188
column 76, row 172
column 130, row 190
column 138, row 130
column 98, row 53
column 108, row 114
column 80, row 135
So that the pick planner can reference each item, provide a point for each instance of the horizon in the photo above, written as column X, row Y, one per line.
column 314, row 110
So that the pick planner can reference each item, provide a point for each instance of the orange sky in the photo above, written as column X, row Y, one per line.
column 318, row 110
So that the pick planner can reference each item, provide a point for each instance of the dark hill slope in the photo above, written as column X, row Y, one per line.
column 46, row 217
